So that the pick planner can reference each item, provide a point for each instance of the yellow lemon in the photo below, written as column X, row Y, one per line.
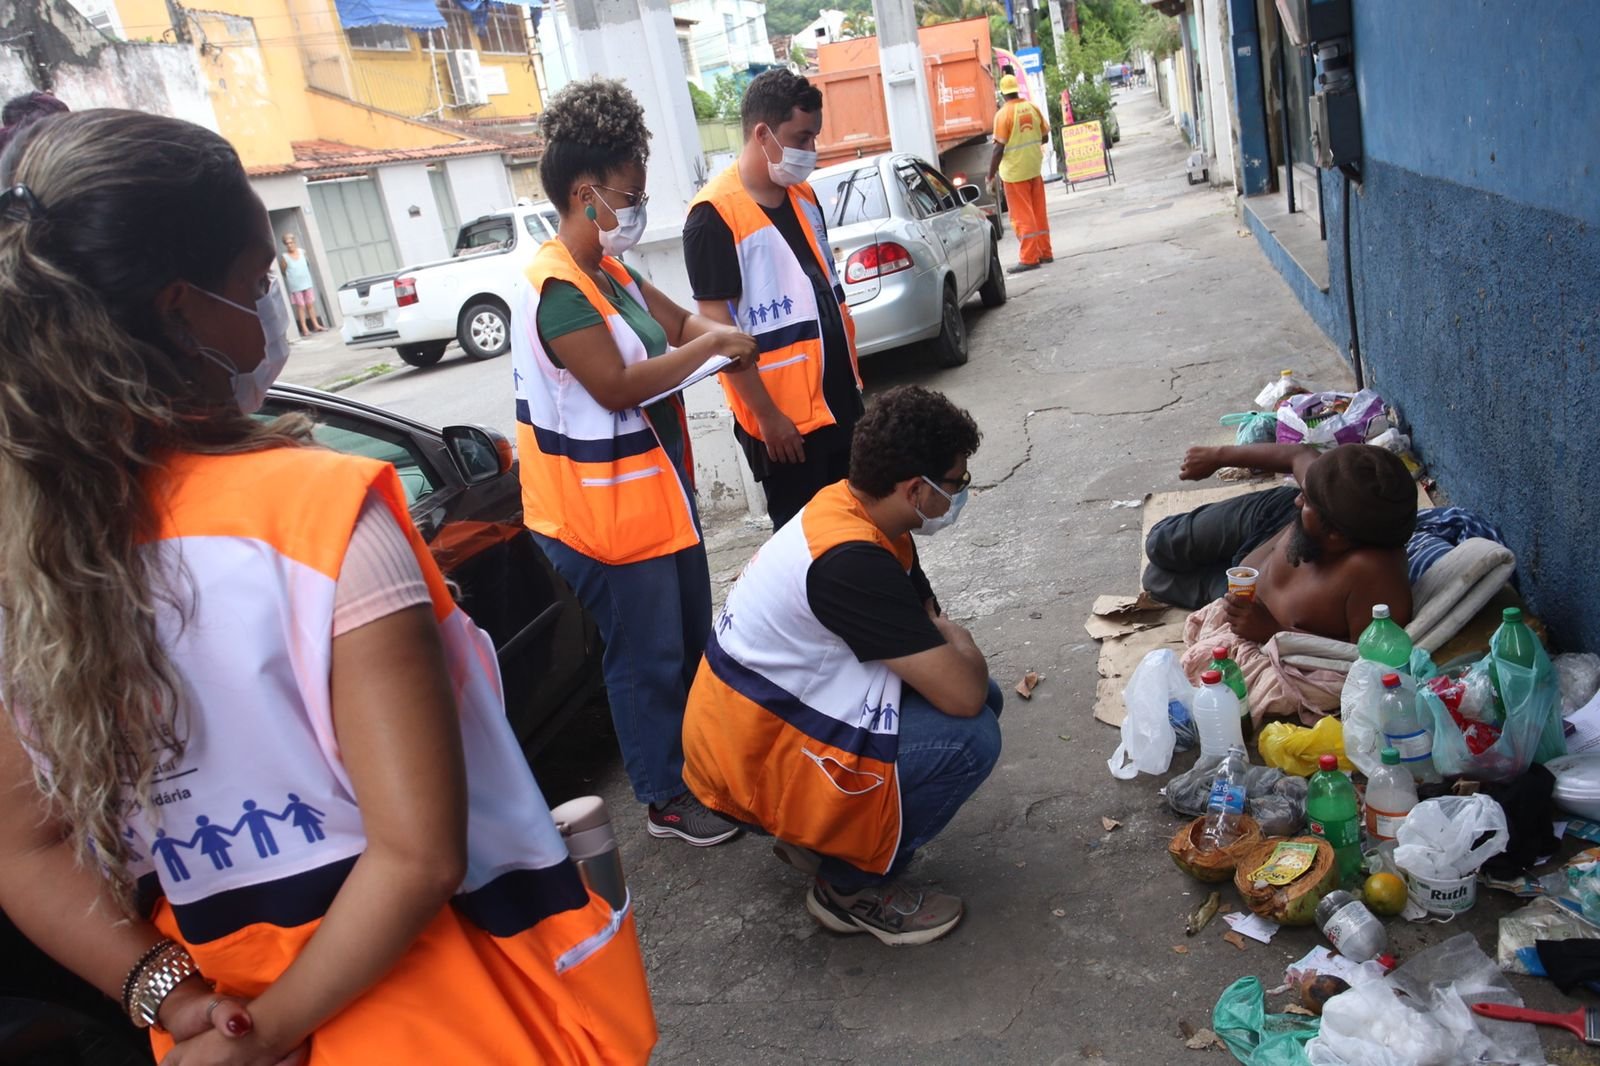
column 1384, row 893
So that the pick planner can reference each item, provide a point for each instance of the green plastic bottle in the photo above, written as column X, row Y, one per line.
column 1385, row 642
column 1333, row 814
column 1515, row 643
column 1232, row 676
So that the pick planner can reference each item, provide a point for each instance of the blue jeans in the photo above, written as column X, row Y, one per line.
column 941, row 762
column 654, row 616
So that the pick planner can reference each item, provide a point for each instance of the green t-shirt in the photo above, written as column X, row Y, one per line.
column 563, row 309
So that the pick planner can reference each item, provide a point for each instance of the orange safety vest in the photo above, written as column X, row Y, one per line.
column 255, row 826
column 785, row 728
column 777, row 303
column 599, row 481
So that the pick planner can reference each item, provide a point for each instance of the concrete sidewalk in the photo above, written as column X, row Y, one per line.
column 1158, row 316
column 321, row 361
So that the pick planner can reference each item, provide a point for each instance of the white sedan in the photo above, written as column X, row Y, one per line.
column 910, row 247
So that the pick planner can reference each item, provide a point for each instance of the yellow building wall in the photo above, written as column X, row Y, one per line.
column 417, row 83
column 291, row 75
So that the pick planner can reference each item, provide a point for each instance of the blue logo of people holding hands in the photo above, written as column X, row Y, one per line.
column 213, row 841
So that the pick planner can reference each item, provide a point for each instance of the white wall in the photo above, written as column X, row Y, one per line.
column 1215, row 36
column 478, row 184
column 418, row 239
column 161, row 79
column 556, row 48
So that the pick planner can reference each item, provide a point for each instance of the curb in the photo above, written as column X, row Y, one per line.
column 377, row 370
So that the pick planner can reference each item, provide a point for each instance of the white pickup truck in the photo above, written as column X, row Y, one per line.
column 419, row 310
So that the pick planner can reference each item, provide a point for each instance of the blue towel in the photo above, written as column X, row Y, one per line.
column 1438, row 530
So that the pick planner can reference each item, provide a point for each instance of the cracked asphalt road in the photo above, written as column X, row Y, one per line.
column 1088, row 386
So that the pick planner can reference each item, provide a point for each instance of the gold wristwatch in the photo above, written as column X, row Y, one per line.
column 160, row 976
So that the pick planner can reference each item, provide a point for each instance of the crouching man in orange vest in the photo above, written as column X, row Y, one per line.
column 837, row 708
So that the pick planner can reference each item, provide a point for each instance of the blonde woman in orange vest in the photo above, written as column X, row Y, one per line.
column 260, row 787
column 756, row 246
column 607, row 487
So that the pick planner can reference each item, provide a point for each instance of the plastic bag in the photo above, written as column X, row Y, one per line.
column 1543, row 919
column 1277, row 801
column 1419, row 1015
column 1278, row 389
column 1579, row 674
column 1440, row 838
column 1530, row 729
column 1362, row 728
column 1296, row 748
column 1255, row 1037
column 1254, row 427
column 1326, row 419
column 1148, row 738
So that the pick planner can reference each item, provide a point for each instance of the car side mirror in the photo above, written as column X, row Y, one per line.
column 481, row 454
column 970, row 194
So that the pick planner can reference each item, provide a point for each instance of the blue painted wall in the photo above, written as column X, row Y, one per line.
column 1476, row 244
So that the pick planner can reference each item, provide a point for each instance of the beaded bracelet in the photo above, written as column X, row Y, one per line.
column 132, row 979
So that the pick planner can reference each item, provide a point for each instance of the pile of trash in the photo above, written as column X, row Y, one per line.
column 1427, row 784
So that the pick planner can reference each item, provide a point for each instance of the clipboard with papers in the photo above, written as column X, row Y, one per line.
column 700, row 373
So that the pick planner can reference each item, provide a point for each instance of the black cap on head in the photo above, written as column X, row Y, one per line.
column 1364, row 492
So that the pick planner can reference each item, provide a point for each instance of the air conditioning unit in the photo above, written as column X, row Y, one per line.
column 466, row 77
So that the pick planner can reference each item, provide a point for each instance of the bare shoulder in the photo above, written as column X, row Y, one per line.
column 1379, row 575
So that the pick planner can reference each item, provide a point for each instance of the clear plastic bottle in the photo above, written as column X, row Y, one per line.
column 1276, row 390
column 1407, row 729
column 1391, row 793
column 1226, row 802
column 1333, row 814
column 1350, row 927
column 1216, row 715
column 1383, row 641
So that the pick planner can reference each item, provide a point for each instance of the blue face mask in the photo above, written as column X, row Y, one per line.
column 930, row 526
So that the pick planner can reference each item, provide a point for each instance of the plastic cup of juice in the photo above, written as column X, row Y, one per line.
column 1242, row 582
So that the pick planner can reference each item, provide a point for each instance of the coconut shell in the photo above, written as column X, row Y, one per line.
column 1296, row 902
column 1212, row 867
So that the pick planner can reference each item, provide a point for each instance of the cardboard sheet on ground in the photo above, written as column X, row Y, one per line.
column 1128, row 627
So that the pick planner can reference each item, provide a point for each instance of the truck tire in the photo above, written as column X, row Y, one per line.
column 949, row 348
column 423, row 354
column 485, row 330
column 993, row 291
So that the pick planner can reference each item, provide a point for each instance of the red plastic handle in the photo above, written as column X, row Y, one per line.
column 1506, row 1013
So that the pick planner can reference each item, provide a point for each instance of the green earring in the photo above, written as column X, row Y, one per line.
column 589, row 213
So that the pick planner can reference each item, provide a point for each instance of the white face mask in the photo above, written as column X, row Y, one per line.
column 930, row 526
column 795, row 167
column 630, row 227
column 250, row 389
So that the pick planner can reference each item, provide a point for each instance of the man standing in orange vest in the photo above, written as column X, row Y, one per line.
column 756, row 246
column 1020, row 134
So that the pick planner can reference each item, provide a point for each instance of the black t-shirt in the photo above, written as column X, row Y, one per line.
column 859, row 591
column 708, row 251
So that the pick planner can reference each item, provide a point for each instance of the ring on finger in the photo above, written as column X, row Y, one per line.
column 216, row 1001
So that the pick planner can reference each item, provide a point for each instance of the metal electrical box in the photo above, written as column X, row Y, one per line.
column 1335, row 129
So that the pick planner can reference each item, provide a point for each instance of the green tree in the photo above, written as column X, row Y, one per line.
column 790, row 16
column 705, row 106
column 933, row 12
column 859, row 24
column 728, row 93
column 799, row 58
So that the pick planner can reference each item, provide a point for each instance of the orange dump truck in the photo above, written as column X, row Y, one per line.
column 959, row 61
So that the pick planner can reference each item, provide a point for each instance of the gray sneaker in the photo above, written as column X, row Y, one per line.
column 895, row 914
column 688, row 819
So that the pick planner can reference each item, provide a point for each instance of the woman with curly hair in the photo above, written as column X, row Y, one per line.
column 260, row 786
column 606, row 469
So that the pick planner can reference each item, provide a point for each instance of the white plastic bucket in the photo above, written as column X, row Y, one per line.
column 1446, row 897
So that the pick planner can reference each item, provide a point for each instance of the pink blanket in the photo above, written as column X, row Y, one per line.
column 1276, row 690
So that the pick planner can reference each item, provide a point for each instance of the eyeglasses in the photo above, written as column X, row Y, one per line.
column 630, row 199
column 960, row 483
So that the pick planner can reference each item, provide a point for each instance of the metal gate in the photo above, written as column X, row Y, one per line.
column 355, row 231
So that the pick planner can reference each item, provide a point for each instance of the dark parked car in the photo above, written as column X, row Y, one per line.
column 461, row 484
